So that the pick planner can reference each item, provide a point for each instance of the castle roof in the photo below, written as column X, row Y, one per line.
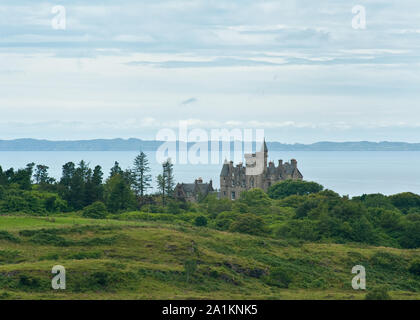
column 271, row 170
column 203, row 188
column 225, row 170
column 264, row 147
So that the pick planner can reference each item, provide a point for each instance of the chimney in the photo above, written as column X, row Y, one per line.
column 280, row 163
column 294, row 163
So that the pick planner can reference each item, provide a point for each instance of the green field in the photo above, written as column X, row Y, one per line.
column 111, row 259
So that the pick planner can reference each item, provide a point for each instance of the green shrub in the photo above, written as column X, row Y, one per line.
column 410, row 237
column 299, row 229
column 190, row 266
column 255, row 197
column 46, row 238
column 85, row 255
column 200, row 221
column 387, row 260
column 406, row 200
column 50, row 256
column 380, row 293
column 97, row 210
column 4, row 235
column 249, row 223
column 293, row 187
column 136, row 215
column 279, row 278
column 28, row 282
column 415, row 268
column 9, row 256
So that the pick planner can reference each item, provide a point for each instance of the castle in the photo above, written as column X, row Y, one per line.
column 193, row 192
column 235, row 179
column 255, row 174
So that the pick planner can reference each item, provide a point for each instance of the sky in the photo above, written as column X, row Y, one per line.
column 299, row 70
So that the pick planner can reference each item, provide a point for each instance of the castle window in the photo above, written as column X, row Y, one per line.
column 233, row 195
column 252, row 182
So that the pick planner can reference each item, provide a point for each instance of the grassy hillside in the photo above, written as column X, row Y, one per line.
column 117, row 259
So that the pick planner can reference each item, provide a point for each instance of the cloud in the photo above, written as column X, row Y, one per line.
column 189, row 101
column 211, row 63
column 282, row 65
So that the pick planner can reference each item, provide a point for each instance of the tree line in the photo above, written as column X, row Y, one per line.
column 81, row 186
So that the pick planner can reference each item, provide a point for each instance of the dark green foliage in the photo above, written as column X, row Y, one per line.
column 4, row 235
column 141, row 172
column 20, row 178
column 166, row 181
column 380, row 293
column 9, row 256
column 224, row 220
column 293, row 187
column 15, row 199
column 190, row 266
column 248, row 223
column 52, row 237
column 47, row 238
column 173, row 207
column 100, row 280
column 255, row 197
column 116, row 169
column 307, row 207
column 41, row 175
column 51, row 256
column 296, row 229
column 94, row 188
column 118, row 195
column 200, row 221
column 389, row 261
column 279, row 278
column 376, row 201
column 415, row 268
column 405, row 201
column 410, row 236
column 85, row 255
column 213, row 206
column 168, row 175
column 29, row 282
column 96, row 210
column 80, row 186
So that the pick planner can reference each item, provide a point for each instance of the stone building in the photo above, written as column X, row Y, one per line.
column 193, row 192
column 256, row 173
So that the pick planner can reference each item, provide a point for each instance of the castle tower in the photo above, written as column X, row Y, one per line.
column 257, row 173
column 265, row 150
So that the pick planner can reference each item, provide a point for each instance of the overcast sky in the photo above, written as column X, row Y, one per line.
column 297, row 69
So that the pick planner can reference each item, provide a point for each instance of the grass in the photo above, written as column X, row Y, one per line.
column 115, row 259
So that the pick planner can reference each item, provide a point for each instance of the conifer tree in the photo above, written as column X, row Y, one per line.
column 141, row 175
column 168, row 175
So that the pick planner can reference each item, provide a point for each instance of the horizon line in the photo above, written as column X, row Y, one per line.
column 177, row 140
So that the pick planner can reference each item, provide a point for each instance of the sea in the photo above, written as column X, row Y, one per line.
column 350, row 173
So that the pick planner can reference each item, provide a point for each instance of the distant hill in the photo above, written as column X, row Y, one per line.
column 151, row 145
